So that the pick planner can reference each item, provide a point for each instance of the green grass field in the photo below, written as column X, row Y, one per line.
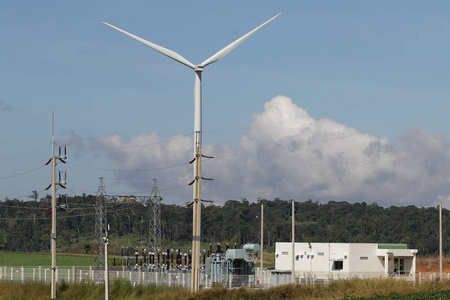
column 44, row 259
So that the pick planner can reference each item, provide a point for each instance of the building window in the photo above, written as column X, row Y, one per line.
column 284, row 253
column 363, row 258
column 338, row 265
column 320, row 254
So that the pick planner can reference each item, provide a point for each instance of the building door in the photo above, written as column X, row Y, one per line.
column 399, row 265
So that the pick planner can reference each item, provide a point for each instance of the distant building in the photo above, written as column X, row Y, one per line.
column 346, row 260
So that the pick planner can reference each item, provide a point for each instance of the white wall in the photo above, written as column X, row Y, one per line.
column 310, row 257
column 356, row 258
column 358, row 263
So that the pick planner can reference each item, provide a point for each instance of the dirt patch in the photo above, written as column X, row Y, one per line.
column 432, row 264
column 258, row 261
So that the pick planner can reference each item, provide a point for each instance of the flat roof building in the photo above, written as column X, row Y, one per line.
column 347, row 260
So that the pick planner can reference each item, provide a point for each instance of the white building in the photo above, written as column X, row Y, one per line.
column 346, row 260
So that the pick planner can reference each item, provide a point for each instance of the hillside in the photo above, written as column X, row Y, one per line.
column 25, row 225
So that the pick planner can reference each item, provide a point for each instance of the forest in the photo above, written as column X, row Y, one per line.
column 25, row 225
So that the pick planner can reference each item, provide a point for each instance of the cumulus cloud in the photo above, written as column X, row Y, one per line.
column 288, row 154
column 148, row 156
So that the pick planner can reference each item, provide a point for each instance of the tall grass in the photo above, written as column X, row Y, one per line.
column 346, row 289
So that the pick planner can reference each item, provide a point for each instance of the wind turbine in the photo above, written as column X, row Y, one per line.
column 198, row 69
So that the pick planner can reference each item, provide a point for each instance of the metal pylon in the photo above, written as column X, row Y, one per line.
column 100, row 224
column 155, row 218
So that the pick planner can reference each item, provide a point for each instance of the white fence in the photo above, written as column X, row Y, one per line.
column 266, row 279
column 430, row 276
column 89, row 274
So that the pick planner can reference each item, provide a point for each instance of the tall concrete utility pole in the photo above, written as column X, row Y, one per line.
column 293, row 242
column 262, row 242
column 198, row 69
column 440, row 241
column 105, row 239
column 53, row 232
column 61, row 183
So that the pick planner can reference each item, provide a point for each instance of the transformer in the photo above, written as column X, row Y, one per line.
column 234, row 269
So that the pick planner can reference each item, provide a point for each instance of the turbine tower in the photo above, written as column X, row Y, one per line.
column 198, row 69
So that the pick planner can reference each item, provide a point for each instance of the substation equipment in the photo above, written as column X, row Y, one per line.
column 101, row 202
column 235, row 268
column 141, row 259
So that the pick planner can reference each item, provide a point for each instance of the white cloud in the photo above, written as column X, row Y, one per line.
column 150, row 157
column 288, row 154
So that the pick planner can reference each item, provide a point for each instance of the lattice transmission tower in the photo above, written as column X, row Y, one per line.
column 100, row 224
column 154, row 239
column 102, row 199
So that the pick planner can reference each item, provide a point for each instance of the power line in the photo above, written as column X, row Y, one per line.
column 65, row 216
column 21, row 207
column 27, row 152
column 130, row 170
column 23, row 196
column 23, row 173
column 133, row 193
column 133, row 146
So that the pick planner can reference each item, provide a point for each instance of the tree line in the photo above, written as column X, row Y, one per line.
column 25, row 225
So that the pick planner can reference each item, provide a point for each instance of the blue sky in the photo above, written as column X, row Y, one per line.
column 377, row 68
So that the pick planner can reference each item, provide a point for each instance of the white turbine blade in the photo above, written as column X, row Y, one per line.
column 233, row 45
column 169, row 53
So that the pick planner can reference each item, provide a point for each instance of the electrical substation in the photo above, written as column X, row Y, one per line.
column 153, row 201
column 230, row 267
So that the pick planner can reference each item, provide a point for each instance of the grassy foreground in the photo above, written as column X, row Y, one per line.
column 347, row 289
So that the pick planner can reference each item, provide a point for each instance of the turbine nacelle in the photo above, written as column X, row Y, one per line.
column 199, row 68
